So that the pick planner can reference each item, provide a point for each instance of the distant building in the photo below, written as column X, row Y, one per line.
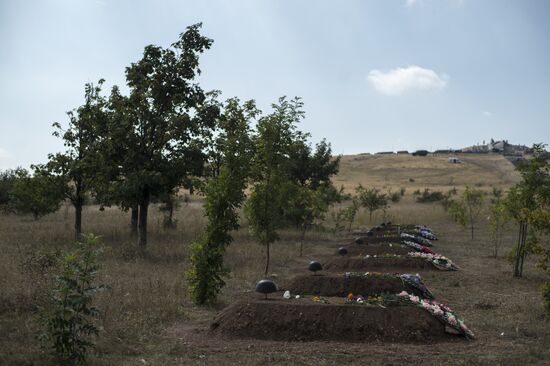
column 402, row 152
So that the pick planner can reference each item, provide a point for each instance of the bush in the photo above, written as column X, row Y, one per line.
column 429, row 196
column 68, row 319
column 402, row 191
column 394, row 196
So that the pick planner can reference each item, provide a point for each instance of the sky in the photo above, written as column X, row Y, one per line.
column 374, row 75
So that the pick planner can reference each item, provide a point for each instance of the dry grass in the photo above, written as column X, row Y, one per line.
column 434, row 171
column 147, row 314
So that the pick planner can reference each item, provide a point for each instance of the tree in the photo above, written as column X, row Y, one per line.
column 528, row 202
column 473, row 203
column 79, row 165
column 499, row 218
column 7, row 180
column 313, row 191
column 270, row 171
column 224, row 196
column 372, row 199
column 348, row 214
column 38, row 194
column 158, row 130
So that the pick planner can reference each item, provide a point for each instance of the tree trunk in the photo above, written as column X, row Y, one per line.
column 134, row 220
column 266, row 260
column 518, row 264
column 472, row 230
column 302, row 236
column 142, row 222
column 78, row 219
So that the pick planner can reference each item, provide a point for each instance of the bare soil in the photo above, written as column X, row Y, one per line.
column 385, row 265
column 305, row 320
column 332, row 285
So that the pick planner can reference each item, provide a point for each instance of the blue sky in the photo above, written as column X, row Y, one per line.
column 374, row 75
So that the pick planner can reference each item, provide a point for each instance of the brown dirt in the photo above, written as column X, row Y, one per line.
column 341, row 286
column 387, row 265
column 376, row 249
column 306, row 320
column 377, row 239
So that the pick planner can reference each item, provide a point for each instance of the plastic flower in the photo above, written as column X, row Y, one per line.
column 350, row 296
column 415, row 299
column 403, row 293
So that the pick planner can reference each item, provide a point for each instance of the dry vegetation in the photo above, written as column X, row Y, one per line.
column 148, row 320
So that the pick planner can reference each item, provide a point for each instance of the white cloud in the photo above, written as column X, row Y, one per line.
column 400, row 80
column 409, row 3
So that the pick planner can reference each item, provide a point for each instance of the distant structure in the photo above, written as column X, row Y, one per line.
column 454, row 160
column 498, row 147
column 402, row 152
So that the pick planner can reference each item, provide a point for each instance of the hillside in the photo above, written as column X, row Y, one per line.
column 434, row 171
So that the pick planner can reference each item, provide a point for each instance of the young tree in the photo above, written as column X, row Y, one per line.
column 270, row 171
column 348, row 214
column 467, row 209
column 158, row 131
column 499, row 218
column 79, row 165
column 39, row 194
column 224, row 195
column 313, row 191
column 528, row 202
column 372, row 199
column 473, row 202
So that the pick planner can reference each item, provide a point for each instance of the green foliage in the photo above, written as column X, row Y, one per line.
column 473, row 202
column 80, row 166
column 347, row 215
column 372, row 199
column 39, row 194
column 499, row 217
column 429, row 196
column 528, row 202
column 271, row 167
column 224, row 195
column 395, row 197
column 7, row 180
column 157, row 133
column 312, row 192
column 68, row 320
column 457, row 210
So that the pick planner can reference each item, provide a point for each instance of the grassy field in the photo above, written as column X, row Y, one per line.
column 147, row 318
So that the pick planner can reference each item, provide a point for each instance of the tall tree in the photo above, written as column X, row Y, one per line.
column 224, row 195
column 270, row 171
column 79, row 164
column 159, row 127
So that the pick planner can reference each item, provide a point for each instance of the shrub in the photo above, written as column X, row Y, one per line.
column 68, row 319
column 394, row 196
column 429, row 196
column 402, row 191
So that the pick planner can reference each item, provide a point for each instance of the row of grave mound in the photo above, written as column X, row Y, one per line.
column 303, row 318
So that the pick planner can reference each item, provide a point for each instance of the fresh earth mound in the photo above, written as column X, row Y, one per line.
column 306, row 320
column 342, row 285
column 362, row 240
column 377, row 249
column 380, row 264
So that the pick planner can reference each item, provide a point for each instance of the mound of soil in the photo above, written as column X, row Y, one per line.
column 341, row 285
column 306, row 320
column 387, row 265
column 362, row 240
column 377, row 249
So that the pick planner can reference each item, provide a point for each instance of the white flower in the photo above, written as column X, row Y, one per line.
column 297, row 296
column 286, row 295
